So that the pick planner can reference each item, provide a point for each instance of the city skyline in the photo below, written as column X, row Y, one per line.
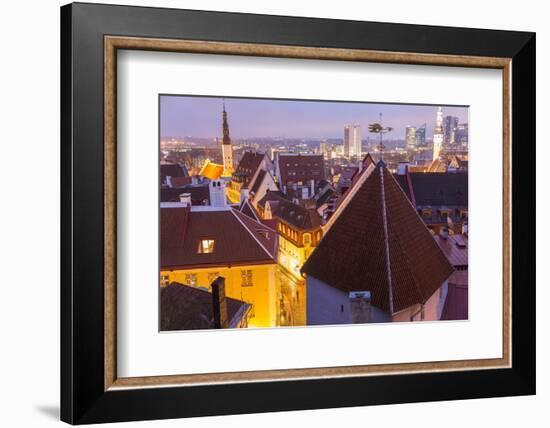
column 198, row 116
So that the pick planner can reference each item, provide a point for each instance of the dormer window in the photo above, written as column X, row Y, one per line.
column 445, row 213
column 206, row 246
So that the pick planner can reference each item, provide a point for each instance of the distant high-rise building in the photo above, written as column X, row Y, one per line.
column 461, row 134
column 450, row 124
column 227, row 147
column 438, row 134
column 410, row 137
column 420, row 136
column 323, row 148
column 352, row 141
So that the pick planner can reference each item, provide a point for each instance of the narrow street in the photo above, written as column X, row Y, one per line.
column 292, row 299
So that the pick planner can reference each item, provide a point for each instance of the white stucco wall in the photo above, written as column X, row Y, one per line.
column 432, row 308
column 327, row 305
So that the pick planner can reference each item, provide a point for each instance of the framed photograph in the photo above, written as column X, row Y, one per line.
column 266, row 213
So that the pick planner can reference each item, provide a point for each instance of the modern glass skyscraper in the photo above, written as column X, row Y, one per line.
column 420, row 136
column 450, row 123
column 352, row 141
column 410, row 137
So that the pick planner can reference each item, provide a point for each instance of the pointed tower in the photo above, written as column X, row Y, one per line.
column 377, row 244
column 227, row 148
column 438, row 134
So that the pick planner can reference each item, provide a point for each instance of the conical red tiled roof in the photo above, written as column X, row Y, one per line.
column 379, row 243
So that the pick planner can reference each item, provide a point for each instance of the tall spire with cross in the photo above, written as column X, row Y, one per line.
column 227, row 147
column 438, row 134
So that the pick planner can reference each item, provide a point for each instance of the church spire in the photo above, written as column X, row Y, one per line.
column 226, row 139
column 227, row 148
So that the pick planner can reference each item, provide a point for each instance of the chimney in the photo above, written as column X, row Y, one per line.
column 444, row 232
column 216, row 190
column 219, row 303
column 185, row 199
column 465, row 228
column 402, row 168
column 360, row 307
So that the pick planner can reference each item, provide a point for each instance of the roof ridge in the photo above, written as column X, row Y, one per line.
column 386, row 238
column 251, row 208
column 252, row 234
column 348, row 196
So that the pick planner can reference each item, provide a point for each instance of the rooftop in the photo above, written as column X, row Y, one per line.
column 378, row 242
column 237, row 239
column 435, row 189
column 211, row 170
column 190, row 308
column 299, row 167
column 455, row 248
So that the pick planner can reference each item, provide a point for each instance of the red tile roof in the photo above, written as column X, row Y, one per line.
column 294, row 168
column 298, row 216
column 168, row 169
column 247, row 209
column 238, row 240
column 249, row 164
column 180, row 181
column 455, row 248
column 183, row 307
column 379, row 243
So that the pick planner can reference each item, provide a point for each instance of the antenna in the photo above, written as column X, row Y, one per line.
column 381, row 145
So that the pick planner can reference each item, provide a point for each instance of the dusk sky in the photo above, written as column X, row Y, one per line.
column 196, row 116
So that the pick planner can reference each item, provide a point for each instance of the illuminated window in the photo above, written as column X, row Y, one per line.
column 164, row 280
column 307, row 238
column 191, row 279
column 206, row 246
column 246, row 278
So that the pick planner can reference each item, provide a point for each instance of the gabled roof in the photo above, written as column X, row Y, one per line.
column 258, row 181
column 199, row 193
column 248, row 210
column 298, row 167
column 248, row 165
column 189, row 308
column 379, row 243
column 437, row 166
column 169, row 169
column 238, row 240
column 271, row 195
column 437, row 188
column 211, row 170
column 298, row 216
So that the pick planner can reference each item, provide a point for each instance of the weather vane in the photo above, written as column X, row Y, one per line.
column 378, row 128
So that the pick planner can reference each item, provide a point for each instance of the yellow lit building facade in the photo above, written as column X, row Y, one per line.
column 296, row 245
column 199, row 244
column 253, row 284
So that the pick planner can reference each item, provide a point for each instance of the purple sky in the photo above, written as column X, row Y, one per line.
column 196, row 116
